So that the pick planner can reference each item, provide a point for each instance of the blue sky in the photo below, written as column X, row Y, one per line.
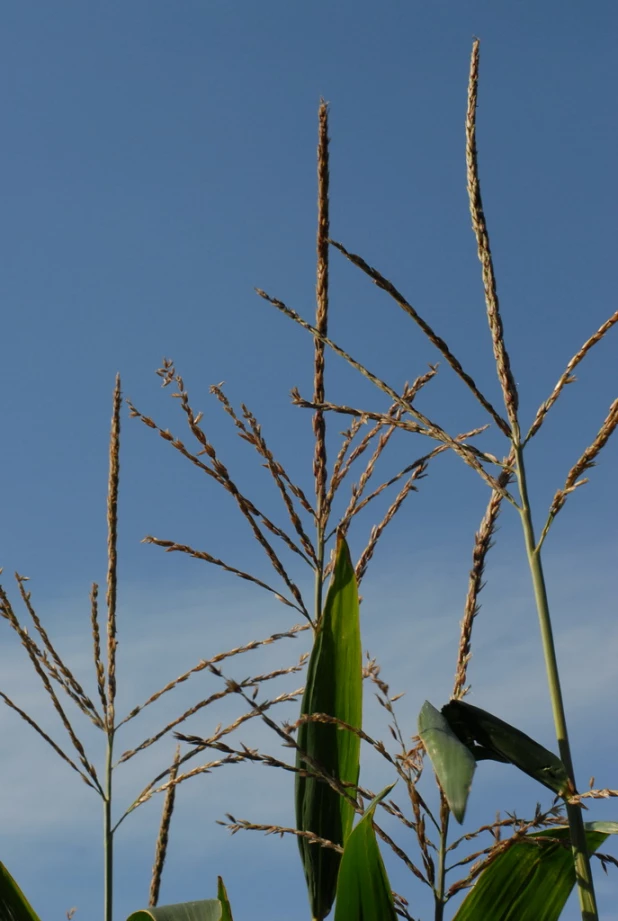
column 158, row 163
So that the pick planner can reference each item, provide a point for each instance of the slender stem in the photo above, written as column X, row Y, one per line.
column 108, row 833
column 583, row 873
column 319, row 574
column 441, row 880
column 112, row 643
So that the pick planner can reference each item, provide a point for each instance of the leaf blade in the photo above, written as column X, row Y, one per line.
column 334, row 687
column 528, row 882
column 452, row 761
column 363, row 888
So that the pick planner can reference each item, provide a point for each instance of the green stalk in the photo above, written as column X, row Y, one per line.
column 583, row 873
column 108, row 834
column 441, row 880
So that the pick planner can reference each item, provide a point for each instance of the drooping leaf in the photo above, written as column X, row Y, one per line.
column 530, row 882
column 206, row 910
column 363, row 889
column 451, row 759
column 226, row 908
column 487, row 736
column 14, row 906
column 334, row 687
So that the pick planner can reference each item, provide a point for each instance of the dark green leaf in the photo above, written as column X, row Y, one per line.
column 451, row 759
column 363, row 889
column 503, row 742
column 334, row 687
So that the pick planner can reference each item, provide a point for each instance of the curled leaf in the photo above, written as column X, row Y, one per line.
column 206, row 910
column 487, row 736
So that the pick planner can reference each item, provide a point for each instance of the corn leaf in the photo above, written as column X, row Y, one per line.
column 363, row 889
column 530, row 881
column 14, row 906
column 226, row 908
column 206, row 910
column 489, row 737
column 451, row 759
column 334, row 687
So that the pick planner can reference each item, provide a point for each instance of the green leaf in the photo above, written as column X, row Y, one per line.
column 607, row 828
column 334, row 687
column 530, row 882
column 451, row 759
column 14, row 906
column 206, row 910
column 363, row 889
column 503, row 742
column 226, row 913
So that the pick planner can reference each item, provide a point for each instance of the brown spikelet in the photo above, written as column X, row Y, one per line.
column 281, row 479
column 588, row 458
column 219, row 695
column 234, row 825
column 337, row 472
column 479, row 225
column 377, row 530
column 567, row 377
column 51, row 660
column 219, row 472
column 482, row 545
column 112, row 555
column 163, row 839
column 206, row 663
column 96, row 645
column 251, row 432
column 364, row 416
column 344, row 461
column 171, row 547
column 47, row 738
column 385, row 432
column 39, row 663
column 427, row 427
column 585, row 462
column 201, row 744
column 433, row 337
column 355, row 507
column 258, row 443
column 489, row 855
column 321, row 321
column 470, row 454
column 593, row 794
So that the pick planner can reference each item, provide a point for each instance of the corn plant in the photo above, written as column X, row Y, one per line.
column 324, row 618
column 527, row 875
column 461, row 734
